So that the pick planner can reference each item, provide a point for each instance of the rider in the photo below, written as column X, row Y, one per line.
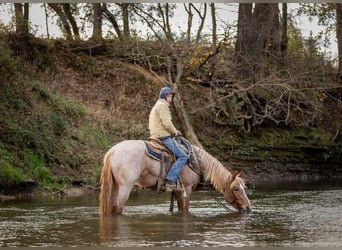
column 161, row 126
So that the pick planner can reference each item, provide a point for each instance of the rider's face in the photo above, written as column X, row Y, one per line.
column 169, row 97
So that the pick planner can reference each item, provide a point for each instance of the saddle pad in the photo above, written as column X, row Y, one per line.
column 155, row 155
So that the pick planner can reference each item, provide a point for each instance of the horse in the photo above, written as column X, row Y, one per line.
column 127, row 164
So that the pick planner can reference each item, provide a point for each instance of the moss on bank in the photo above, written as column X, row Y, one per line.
column 45, row 137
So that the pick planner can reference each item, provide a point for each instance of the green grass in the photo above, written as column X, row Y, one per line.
column 60, row 133
column 9, row 175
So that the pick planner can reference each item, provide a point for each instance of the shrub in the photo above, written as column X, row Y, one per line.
column 37, row 167
column 9, row 63
column 9, row 175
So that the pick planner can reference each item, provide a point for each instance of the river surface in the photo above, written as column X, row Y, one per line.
column 296, row 214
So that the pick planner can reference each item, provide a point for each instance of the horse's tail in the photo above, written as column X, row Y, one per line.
column 106, row 196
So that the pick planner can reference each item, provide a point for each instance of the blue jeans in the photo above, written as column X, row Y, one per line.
column 181, row 159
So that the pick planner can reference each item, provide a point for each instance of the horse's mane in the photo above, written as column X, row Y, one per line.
column 213, row 170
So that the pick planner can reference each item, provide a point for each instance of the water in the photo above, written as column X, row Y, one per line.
column 287, row 214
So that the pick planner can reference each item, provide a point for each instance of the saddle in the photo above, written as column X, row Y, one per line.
column 156, row 150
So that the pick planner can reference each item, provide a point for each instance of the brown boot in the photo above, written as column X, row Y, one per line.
column 170, row 186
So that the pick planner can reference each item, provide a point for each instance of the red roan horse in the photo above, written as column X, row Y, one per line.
column 126, row 164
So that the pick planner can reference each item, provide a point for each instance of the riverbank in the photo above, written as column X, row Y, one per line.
column 258, row 177
column 60, row 115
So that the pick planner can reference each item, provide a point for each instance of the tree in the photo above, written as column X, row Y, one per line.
column 258, row 38
column 68, row 22
column 330, row 16
column 214, row 38
column 68, row 12
column 339, row 38
column 178, row 54
column 113, row 18
column 21, row 18
column 97, row 21
column 214, row 26
column 284, row 37
column 157, row 18
column 125, row 18
column 243, row 39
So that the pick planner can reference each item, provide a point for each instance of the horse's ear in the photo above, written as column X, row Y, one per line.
column 236, row 174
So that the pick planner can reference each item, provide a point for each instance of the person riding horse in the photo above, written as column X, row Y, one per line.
column 162, row 127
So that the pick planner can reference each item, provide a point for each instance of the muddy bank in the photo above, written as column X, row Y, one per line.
column 25, row 194
column 257, row 175
column 265, row 173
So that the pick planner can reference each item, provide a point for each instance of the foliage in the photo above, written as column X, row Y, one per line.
column 8, row 62
column 291, row 94
column 42, row 129
column 9, row 175
column 37, row 167
column 325, row 13
column 93, row 180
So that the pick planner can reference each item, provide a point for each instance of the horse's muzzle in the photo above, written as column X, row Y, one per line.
column 245, row 209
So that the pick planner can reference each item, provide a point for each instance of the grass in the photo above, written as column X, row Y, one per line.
column 9, row 175
column 42, row 131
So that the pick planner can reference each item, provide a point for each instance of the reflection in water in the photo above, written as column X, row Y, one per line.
column 167, row 229
column 288, row 215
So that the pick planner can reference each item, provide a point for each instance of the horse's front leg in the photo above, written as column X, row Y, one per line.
column 183, row 200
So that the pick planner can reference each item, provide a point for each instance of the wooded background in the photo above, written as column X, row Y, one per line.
column 257, row 73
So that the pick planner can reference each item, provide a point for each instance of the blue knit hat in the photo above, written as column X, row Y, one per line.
column 164, row 91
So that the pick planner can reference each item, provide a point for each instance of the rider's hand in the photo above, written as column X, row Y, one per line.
column 178, row 133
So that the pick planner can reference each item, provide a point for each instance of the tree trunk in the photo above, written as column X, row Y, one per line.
column 189, row 22
column 64, row 20
column 274, row 38
column 112, row 19
column 214, row 40
column 244, row 40
column 262, row 27
column 163, row 11
column 283, row 43
column 184, row 118
column 21, row 18
column 97, row 22
column 26, row 17
column 125, row 19
column 46, row 21
column 71, row 19
column 214, row 26
column 178, row 102
column 267, row 46
column 258, row 38
column 202, row 20
column 339, row 38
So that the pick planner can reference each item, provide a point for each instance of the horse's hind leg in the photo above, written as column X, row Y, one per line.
column 121, row 195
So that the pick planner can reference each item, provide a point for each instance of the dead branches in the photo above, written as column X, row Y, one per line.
column 284, row 101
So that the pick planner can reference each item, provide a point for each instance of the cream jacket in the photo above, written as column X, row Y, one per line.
column 160, row 120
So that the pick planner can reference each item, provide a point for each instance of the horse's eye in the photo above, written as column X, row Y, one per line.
column 236, row 189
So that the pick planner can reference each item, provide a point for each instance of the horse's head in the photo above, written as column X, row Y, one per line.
column 235, row 194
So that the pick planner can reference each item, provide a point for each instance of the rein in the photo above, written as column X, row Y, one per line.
column 219, row 201
column 187, row 149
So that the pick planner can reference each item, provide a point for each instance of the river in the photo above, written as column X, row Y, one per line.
column 298, row 214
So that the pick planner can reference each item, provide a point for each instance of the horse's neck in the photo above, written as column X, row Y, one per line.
column 213, row 170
